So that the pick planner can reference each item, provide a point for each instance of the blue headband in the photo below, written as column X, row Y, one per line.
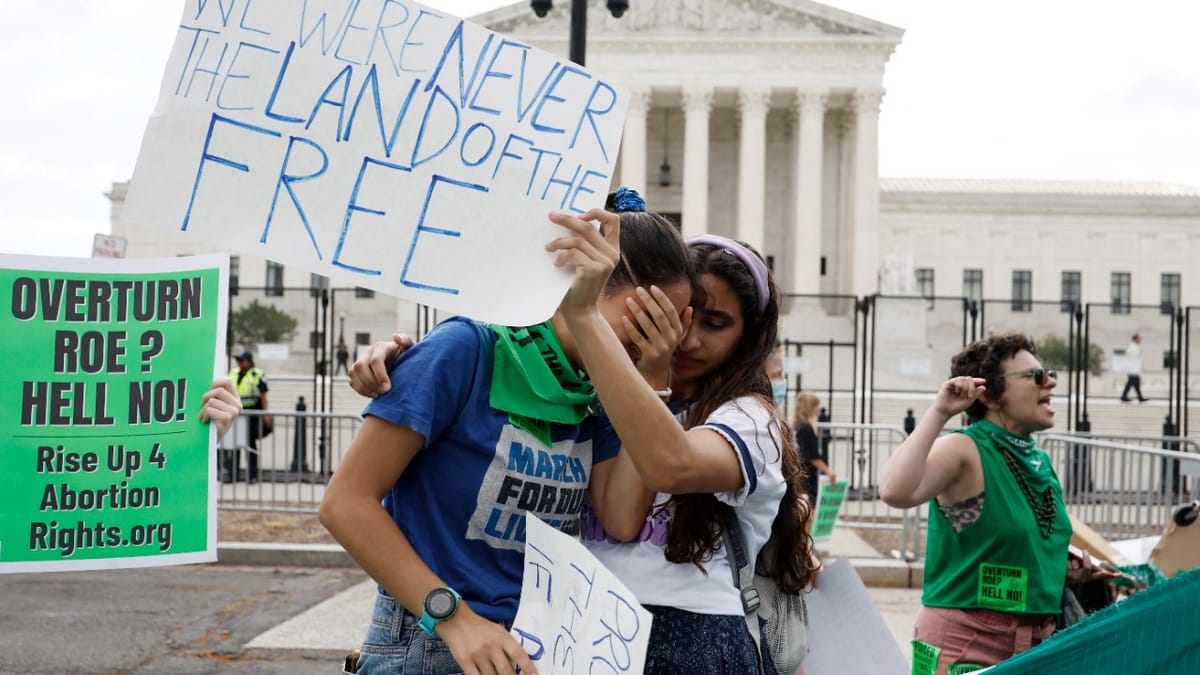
column 758, row 269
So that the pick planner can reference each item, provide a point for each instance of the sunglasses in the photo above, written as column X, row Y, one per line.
column 1038, row 375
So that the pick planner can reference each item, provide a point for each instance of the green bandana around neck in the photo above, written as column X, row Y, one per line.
column 1022, row 444
column 534, row 383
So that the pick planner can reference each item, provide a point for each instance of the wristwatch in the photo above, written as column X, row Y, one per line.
column 440, row 604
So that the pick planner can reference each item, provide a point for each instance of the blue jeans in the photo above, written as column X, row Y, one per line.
column 396, row 645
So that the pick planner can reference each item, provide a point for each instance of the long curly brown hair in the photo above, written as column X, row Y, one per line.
column 699, row 519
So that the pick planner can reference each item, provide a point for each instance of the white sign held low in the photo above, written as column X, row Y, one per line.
column 575, row 615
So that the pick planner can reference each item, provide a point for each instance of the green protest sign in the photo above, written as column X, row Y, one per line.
column 829, row 503
column 105, row 462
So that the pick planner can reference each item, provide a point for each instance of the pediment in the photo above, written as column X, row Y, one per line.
column 676, row 17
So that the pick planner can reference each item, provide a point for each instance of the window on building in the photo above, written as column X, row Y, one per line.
column 235, row 270
column 362, row 339
column 360, row 292
column 925, row 284
column 316, row 284
column 316, row 339
column 1120, row 292
column 1022, row 290
column 1072, row 293
column 1169, row 296
column 973, row 285
column 274, row 279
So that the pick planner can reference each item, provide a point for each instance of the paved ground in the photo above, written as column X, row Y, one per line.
column 340, row 622
column 200, row 619
column 187, row 620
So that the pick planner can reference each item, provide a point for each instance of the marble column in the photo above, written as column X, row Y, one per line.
column 843, row 245
column 697, row 105
column 807, row 190
column 865, row 207
column 753, row 104
column 633, row 142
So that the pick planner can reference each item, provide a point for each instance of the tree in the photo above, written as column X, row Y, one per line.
column 255, row 323
column 1054, row 353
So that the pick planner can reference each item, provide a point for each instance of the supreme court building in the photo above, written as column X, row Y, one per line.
column 759, row 120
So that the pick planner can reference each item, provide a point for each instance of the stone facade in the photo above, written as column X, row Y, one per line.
column 766, row 112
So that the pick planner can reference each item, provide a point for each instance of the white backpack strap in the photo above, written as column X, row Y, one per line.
column 743, row 580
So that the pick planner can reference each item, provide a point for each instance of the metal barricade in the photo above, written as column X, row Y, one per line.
column 1122, row 486
column 295, row 460
column 856, row 453
column 1124, row 490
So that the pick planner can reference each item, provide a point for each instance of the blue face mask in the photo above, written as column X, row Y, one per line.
column 780, row 389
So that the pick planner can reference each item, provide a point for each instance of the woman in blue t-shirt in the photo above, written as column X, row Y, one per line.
column 491, row 422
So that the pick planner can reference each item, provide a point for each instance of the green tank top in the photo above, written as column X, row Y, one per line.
column 1013, row 558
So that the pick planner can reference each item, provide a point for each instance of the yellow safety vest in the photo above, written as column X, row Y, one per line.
column 248, row 386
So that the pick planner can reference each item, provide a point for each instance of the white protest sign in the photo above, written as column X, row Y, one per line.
column 842, row 618
column 575, row 616
column 378, row 142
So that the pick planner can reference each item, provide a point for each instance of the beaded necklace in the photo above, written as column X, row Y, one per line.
column 1042, row 505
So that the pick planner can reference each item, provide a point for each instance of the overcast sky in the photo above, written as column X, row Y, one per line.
column 1053, row 89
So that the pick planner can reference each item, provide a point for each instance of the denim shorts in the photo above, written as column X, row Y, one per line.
column 396, row 645
column 683, row 642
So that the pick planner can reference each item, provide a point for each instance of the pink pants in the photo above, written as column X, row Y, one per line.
column 979, row 636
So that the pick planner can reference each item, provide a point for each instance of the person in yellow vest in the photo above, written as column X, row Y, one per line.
column 251, row 383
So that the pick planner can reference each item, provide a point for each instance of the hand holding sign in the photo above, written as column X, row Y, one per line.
column 591, row 253
column 575, row 616
column 483, row 646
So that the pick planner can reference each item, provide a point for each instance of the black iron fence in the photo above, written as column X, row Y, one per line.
column 875, row 362
column 869, row 357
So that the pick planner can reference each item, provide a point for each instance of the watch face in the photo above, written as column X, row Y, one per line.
column 440, row 603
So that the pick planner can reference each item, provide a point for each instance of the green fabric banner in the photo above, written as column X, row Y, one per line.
column 1151, row 632
column 105, row 463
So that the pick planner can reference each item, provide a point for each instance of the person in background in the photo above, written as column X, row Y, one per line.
column 997, row 560
column 343, row 359
column 778, row 378
column 251, row 384
column 814, row 456
column 1133, row 378
column 425, row 499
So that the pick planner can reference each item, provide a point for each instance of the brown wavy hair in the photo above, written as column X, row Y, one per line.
column 982, row 358
column 700, row 519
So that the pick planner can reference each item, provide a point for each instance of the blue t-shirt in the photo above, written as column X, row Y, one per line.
column 462, row 500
